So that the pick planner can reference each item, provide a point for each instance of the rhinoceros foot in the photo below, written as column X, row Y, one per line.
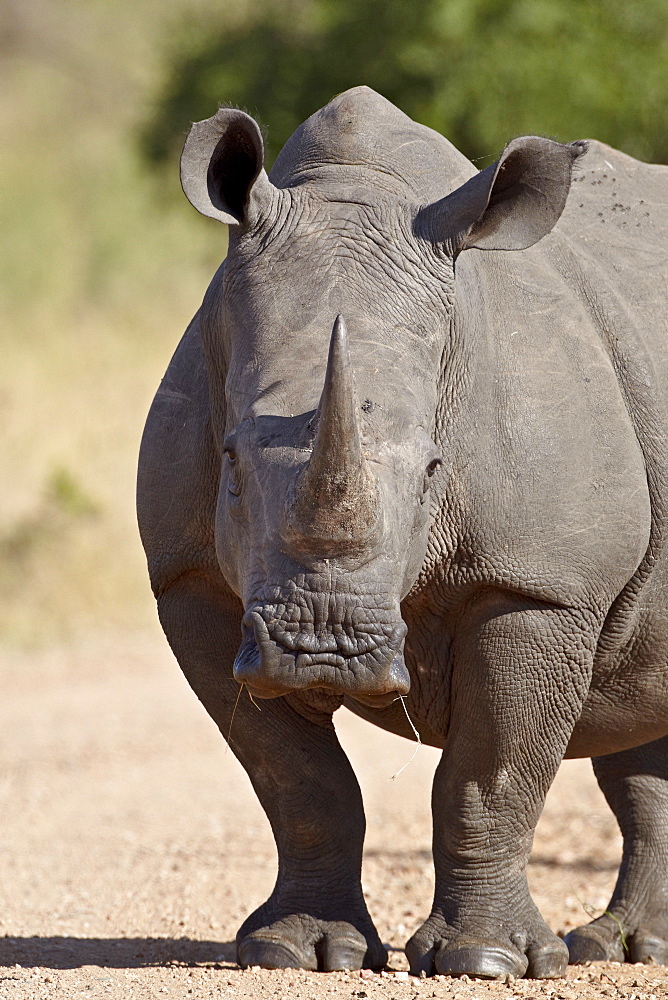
column 606, row 940
column 599, row 941
column 533, row 951
column 301, row 941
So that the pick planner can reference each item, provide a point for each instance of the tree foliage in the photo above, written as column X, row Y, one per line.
column 479, row 71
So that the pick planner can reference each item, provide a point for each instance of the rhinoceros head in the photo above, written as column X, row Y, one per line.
column 327, row 335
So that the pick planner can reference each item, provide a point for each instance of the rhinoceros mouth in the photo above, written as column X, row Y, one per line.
column 369, row 665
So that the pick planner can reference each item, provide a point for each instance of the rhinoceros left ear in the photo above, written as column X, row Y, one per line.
column 222, row 171
column 511, row 204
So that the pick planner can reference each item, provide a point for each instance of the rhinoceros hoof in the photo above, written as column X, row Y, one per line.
column 301, row 941
column 486, row 959
column 648, row 948
column 599, row 941
column 602, row 941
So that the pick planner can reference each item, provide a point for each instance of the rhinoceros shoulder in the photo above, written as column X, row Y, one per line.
column 177, row 477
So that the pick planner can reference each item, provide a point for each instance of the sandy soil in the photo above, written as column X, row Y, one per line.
column 133, row 846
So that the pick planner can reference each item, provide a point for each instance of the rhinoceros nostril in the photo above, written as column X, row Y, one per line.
column 249, row 619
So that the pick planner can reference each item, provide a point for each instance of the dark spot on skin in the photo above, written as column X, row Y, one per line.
column 367, row 406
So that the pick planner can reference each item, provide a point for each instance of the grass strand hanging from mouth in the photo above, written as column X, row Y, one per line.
column 234, row 712
column 417, row 737
column 253, row 699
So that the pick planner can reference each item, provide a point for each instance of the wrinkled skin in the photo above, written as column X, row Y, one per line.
column 453, row 492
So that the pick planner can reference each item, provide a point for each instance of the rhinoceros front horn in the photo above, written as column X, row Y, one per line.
column 336, row 501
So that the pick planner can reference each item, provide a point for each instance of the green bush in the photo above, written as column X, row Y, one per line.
column 479, row 71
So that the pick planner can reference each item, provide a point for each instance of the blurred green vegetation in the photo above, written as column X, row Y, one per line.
column 479, row 71
column 102, row 262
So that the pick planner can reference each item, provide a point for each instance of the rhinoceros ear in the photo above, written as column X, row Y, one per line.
column 511, row 204
column 222, row 171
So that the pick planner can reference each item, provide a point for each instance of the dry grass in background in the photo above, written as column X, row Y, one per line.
column 101, row 268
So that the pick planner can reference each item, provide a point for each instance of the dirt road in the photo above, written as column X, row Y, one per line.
column 133, row 846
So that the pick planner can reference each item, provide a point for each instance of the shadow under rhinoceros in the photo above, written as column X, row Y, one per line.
column 424, row 857
column 586, row 864
column 113, row 953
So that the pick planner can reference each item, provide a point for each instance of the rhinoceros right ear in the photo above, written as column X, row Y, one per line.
column 510, row 205
column 222, row 172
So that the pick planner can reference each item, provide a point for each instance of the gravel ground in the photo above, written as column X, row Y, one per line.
column 133, row 846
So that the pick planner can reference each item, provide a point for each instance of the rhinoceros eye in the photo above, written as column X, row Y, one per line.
column 233, row 482
column 429, row 473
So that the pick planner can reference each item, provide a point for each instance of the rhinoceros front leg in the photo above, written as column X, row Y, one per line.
column 635, row 924
column 521, row 671
column 316, row 916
